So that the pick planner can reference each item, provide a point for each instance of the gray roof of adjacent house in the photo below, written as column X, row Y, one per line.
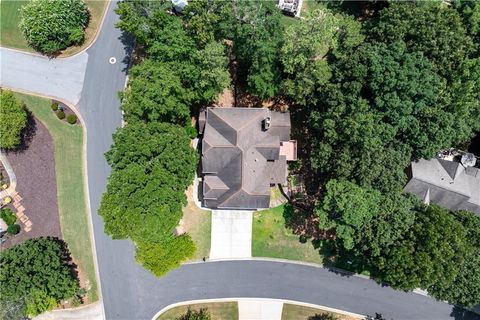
column 447, row 183
column 240, row 159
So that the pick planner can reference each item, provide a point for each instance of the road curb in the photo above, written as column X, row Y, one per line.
column 304, row 304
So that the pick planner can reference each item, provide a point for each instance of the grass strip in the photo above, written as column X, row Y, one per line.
column 68, row 142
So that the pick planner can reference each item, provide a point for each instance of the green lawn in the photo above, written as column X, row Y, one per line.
column 271, row 238
column 74, row 222
column 11, row 36
column 197, row 223
column 217, row 311
column 296, row 312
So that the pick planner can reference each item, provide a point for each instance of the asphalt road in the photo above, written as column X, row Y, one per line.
column 130, row 292
column 59, row 78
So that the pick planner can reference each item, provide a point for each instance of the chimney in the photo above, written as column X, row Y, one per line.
column 266, row 123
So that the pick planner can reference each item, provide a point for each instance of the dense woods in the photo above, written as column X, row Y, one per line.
column 370, row 89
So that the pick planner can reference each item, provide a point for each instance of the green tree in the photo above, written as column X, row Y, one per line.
column 160, row 258
column 429, row 254
column 156, row 93
column 306, row 46
column 201, row 314
column 52, row 25
column 347, row 208
column 37, row 273
column 213, row 75
column 470, row 13
column 465, row 289
column 13, row 119
column 152, row 165
column 38, row 302
column 445, row 42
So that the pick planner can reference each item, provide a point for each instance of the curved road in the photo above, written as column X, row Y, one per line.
column 89, row 81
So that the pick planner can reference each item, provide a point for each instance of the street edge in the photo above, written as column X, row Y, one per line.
column 233, row 299
column 85, row 188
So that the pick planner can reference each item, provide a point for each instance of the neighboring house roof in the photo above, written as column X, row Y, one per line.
column 240, row 160
column 447, row 183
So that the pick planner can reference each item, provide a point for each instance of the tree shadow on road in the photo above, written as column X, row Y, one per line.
column 459, row 313
column 128, row 45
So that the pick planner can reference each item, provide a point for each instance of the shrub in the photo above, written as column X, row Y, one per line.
column 61, row 115
column 8, row 216
column 191, row 131
column 54, row 106
column 13, row 229
column 52, row 25
column 201, row 314
column 72, row 119
column 38, row 272
column 13, row 119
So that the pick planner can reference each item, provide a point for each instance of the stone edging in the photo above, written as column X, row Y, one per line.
column 309, row 305
column 12, row 179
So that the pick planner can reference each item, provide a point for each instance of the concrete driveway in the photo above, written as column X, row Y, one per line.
column 231, row 234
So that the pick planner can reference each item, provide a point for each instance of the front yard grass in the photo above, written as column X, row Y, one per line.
column 68, row 141
column 297, row 312
column 270, row 238
column 217, row 311
column 12, row 37
column 10, row 34
column 198, row 224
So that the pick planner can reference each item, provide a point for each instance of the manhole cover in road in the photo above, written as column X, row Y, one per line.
column 112, row 60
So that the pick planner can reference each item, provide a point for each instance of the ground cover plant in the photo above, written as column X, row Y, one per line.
column 36, row 275
column 13, row 119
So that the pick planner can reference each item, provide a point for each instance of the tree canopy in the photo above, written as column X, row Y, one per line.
column 13, row 119
column 36, row 274
column 50, row 26
column 152, row 165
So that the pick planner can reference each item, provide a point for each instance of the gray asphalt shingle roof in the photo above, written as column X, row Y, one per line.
column 240, row 160
column 446, row 183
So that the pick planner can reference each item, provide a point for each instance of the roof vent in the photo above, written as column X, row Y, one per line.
column 266, row 123
column 468, row 160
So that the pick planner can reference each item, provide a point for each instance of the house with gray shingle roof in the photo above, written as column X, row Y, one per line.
column 244, row 153
column 447, row 183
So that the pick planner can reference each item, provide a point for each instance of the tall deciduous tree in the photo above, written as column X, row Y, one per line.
column 445, row 41
column 13, row 119
column 152, row 166
column 347, row 207
column 156, row 93
column 429, row 254
column 37, row 275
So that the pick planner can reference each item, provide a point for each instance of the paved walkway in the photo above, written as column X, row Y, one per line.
column 90, row 312
column 259, row 309
column 59, row 78
column 231, row 234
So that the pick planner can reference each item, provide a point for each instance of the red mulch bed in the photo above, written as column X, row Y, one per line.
column 34, row 166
